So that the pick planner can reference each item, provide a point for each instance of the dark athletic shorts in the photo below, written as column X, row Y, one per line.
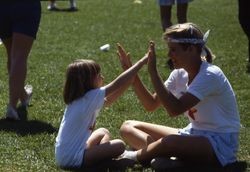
column 21, row 16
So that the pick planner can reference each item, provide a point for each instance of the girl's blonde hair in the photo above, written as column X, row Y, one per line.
column 80, row 77
column 187, row 34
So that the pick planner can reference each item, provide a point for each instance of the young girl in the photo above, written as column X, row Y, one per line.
column 195, row 88
column 77, row 143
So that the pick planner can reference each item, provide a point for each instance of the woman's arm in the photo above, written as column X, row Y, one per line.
column 172, row 105
column 150, row 101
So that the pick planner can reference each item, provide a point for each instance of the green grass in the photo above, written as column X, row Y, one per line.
column 63, row 36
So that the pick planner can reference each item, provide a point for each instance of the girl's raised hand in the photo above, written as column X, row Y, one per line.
column 123, row 57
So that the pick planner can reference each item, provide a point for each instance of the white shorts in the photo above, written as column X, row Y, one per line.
column 225, row 145
column 172, row 2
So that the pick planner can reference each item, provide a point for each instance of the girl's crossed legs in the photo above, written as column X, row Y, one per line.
column 101, row 147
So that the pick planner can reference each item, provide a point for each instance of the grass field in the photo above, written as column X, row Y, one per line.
column 29, row 145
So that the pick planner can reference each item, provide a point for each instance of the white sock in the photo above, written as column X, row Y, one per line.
column 130, row 155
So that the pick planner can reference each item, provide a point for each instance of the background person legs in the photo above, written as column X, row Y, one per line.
column 19, row 24
column 166, row 12
column 244, row 19
column 182, row 12
column 52, row 5
column 72, row 4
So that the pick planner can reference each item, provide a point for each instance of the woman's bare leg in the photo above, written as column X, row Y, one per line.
column 139, row 134
column 188, row 148
column 20, row 49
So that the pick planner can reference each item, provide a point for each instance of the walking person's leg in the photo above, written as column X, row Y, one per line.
column 244, row 19
column 17, row 66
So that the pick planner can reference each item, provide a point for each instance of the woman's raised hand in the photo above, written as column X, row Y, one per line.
column 151, row 56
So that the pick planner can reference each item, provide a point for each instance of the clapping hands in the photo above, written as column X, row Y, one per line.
column 124, row 57
column 149, row 58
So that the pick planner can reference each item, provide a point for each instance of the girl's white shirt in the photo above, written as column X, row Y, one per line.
column 75, row 128
column 217, row 110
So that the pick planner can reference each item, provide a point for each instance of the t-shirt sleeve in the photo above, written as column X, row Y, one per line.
column 96, row 96
column 170, row 82
column 204, row 85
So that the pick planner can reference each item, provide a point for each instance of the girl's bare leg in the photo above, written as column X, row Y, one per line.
column 100, row 147
column 139, row 134
column 99, row 136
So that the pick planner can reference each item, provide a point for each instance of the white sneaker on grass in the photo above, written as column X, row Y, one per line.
column 29, row 91
column 52, row 7
column 127, row 154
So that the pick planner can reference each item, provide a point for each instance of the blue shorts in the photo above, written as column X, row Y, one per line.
column 225, row 145
column 20, row 17
column 172, row 2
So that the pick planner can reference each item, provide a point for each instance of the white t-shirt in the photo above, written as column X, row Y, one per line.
column 75, row 128
column 217, row 110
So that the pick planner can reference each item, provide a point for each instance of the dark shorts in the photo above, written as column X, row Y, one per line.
column 19, row 17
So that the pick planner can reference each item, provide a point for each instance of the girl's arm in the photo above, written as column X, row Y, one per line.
column 149, row 101
column 112, row 97
column 120, row 84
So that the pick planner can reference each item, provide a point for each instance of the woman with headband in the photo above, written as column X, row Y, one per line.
column 195, row 88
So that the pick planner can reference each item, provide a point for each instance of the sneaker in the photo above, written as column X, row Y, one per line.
column 52, row 8
column 72, row 9
column 29, row 91
column 12, row 113
column 165, row 163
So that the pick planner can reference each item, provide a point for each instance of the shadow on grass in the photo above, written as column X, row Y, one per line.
column 64, row 10
column 122, row 165
column 25, row 126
